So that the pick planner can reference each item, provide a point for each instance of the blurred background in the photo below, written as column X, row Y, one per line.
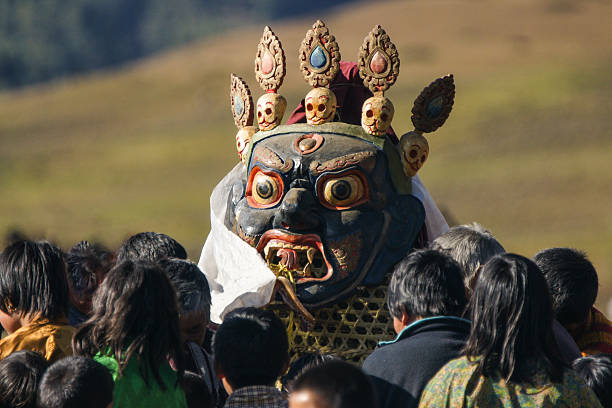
column 115, row 116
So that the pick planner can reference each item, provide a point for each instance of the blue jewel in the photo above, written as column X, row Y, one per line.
column 434, row 108
column 318, row 58
column 238, row 105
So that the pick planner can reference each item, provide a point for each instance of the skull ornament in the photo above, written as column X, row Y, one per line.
column 243, row 138
column 320, row 106
column 270, row 110
column 376, row 115
column 414, row 150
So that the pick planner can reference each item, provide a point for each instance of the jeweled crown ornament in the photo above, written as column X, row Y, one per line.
column 242, row 110
column 319, row 62
column 270, row 71
column 430, row 110
column 379, row 68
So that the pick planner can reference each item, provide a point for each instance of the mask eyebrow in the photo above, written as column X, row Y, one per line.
column 366, row 159
column 270, row 159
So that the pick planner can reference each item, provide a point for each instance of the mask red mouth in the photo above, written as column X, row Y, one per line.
column 302, row 255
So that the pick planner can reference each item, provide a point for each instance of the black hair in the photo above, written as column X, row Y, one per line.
column 75, row 382
column 339, row 384
column 426, row 283
column 20, row 374
column 196, row 391
column 82, row 262
column 150, row 246
column 512, row 317
column 303, row 363
column 135, row 314
column 572, row 280
column 189, row 282
column 251, row 347
column 596, row 371
column 33, row 280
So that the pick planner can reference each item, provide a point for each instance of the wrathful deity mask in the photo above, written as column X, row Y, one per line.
column 319, row 202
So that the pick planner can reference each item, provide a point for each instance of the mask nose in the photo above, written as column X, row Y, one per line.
column 296, row 211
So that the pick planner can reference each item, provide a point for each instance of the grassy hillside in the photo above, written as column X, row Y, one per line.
column 526, row 151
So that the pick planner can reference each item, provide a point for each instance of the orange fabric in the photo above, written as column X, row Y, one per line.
column 51, row 339
column 594, row 336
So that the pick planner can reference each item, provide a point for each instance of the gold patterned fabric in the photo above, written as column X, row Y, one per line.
column 350, row 329
column 51, row 339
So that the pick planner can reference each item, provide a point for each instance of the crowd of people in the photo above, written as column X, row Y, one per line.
column 476, row 327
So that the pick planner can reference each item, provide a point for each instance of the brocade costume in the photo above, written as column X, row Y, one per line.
column 595, row 335
column 51, row 339
column 457, row 385
column 256, row 396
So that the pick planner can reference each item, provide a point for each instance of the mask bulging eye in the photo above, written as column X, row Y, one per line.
column 265, row 189
column 343, row 192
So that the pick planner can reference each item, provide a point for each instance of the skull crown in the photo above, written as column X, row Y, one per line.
column 414, row 149
column 320, row 106
column 270, row 110
column 376, row 115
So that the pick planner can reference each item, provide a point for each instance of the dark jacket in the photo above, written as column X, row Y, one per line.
column 400, row 369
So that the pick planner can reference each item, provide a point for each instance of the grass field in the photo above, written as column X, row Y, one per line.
column 526, row 151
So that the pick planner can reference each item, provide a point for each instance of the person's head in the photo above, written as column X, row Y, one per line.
column 250, row 348
column 425, row 283
column 572, row 280
column 150, row 246
column 135, row 314
column 32, row 283
column 303, row 363
column 193, row 296
column 20, row 374
column 87, row 265
column 511, row 314
column 334, row 384
column 75, row 382
column 196, row 391
column 471, row 246
column 596, row 371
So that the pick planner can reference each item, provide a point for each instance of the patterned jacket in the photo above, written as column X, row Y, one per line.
column 594, row 336
column 256, row 396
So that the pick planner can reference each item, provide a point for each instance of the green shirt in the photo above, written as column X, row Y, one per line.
column 457, row 385
column 132, row 392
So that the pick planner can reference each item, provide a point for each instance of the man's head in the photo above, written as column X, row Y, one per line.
column 572, row 280
column 151, row 247
column 20, row 374
column 425, row 283
column 335, row 384
column 471, row 246
column 251, row 348
column 87, row 265
column 596, row 371
column 193, row 296
column 75, row 382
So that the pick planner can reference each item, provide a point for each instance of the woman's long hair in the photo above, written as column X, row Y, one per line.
column 511, row 314
column 135, row 313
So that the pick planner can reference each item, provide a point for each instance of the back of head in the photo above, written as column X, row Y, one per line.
column 572, row 280
column 304, row 363
column 33, row 280
column 20, row 374
column 426, row 283
column 470, row 245
column 596, row 371
column 190, row 284
column 251, row 347
column 75, row 382
column 134, row 312
column 511, row 314
column 334, row 384
column 150, row 246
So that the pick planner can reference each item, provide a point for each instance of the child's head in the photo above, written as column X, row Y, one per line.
column 596, row 371
column 87, row 266
column 150, row 246
column 20, row 374
column 32, row 283
column 134, row 313
column 196, row 391
column 251, row 348
column 304, row 363
column 193, row 296
column 335, row 384
column 75, row 382
column 572, row 280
